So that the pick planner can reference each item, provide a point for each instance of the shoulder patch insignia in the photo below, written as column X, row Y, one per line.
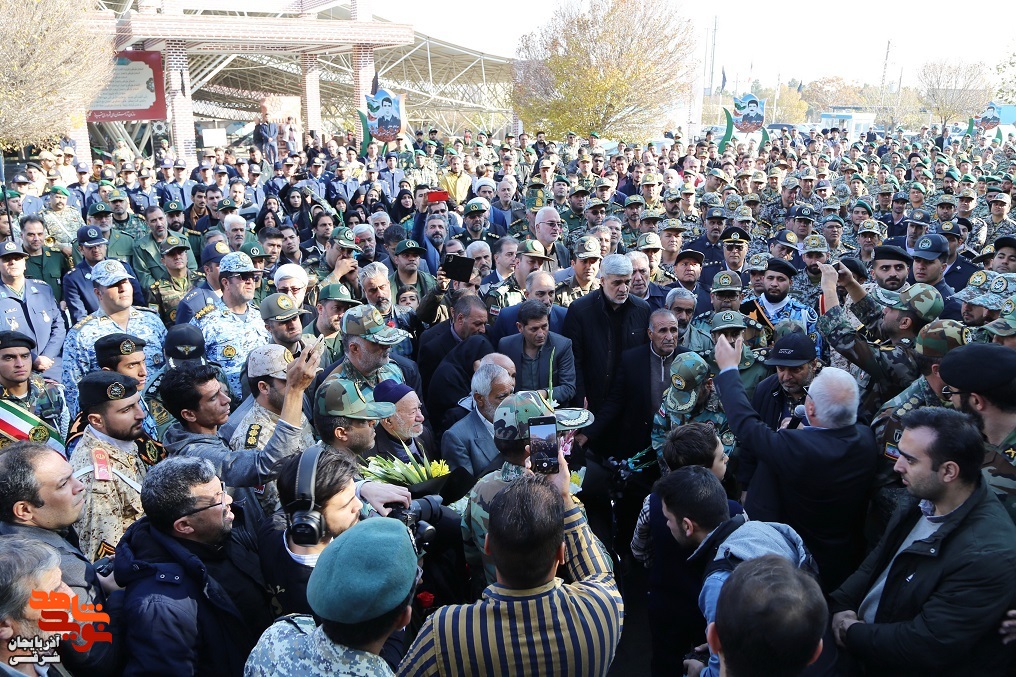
column 253, row 434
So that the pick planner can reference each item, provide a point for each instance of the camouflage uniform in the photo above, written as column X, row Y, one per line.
column 293, row 645
column 806, row 290
column 774, row 213
column 45, row 399
column 1000, row 471
column 476, row 516
column 568, row 291
column 230, row 337
column 366, row 382
column 996, row 230
column 165, row 295
column 62, row 227
column 134, row 226
column 110, row 505
column 253, row 432
column 506, row 294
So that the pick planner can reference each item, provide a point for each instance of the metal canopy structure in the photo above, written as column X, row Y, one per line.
column 234, row 62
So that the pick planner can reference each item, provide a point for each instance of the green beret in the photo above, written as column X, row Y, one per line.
column 366, row 572
column 60, row 190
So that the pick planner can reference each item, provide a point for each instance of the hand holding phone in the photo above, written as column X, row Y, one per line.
column 543, row 447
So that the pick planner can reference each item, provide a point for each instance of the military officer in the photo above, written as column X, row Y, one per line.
column 232, row 325
column 115, row 314
column 958, row 268
column 45, row 262
column 41, row 397
column 332, row 303
column 119, row 246
column 366, row 323
column 106, row 461
column 62, row 220
column 807, row 284
column 531, row 256
column 726, row 293
column 28, row 306
column 148, row 253
column 124, row 220
column 205, row 293
column 165, row 295
column 1003, row 329
column 585, row 265
column 732, row 324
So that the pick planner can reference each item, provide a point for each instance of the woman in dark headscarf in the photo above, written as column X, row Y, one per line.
column 402, row 210
column 266, row 217
column 297, row 208
column 452, row 381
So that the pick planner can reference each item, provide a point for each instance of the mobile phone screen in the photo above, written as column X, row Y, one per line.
column 543, row 445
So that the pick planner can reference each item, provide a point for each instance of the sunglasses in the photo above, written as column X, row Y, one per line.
column 948, row 391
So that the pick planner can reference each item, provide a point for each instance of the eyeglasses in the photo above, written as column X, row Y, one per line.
column 249, row 277
column 948, row 391
column 218, row 504
column 289, row 290
column 552, row 224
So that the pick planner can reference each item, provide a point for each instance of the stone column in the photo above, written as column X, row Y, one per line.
column 178, row 102
column 363, row 60
column 311, row 72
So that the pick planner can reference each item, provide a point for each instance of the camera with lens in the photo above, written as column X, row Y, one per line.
column 418, row 518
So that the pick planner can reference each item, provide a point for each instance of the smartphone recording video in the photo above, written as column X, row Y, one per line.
column 543, row 445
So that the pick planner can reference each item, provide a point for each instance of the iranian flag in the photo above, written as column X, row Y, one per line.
column 16, row 424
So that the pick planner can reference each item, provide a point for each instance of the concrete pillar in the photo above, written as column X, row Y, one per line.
column 311, row 72
column 78, row 133
column 178, row 103
column 363, row 59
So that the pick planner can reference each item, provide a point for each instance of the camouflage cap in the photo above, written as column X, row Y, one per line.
column 758, row 176
column 269, row 360
column 587, row 247
column 726, row 281
column 968, row 193
column 633, row 200
column 757, row 262
column 172, row 244
column 533, row 249
column 109, row 272
column 593, row 203
column 940, row 336
column 280, row 307
column 117, row 194
column 711, row 199
column 732, row 203
column 651, row 178
column 815, row 243
column 987, row 253
column 872, row 226
column 751, row 198
column 979, row 283
column 340, row 397
column 727, row 319
column 650, row 214
column 688, row 372
column 648, row 241
column 923, row 300
column 1001, row 288
column 790, row 183
column 673, row 224
column 368, row 323
column 236, row 263
column 743, row 215
column 344, row 238
column 1005, row 325
column 511, row 418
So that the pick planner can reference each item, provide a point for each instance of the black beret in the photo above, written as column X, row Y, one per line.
column 978, row 367
column 106, row 386
column 15, row 339
column 892, row 253
column 117, row 345
column 781, row 266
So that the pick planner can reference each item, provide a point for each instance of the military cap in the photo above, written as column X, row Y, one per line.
column 254, row 250
column 872, row 226
column 687, row 189
column 805, row 212
column 648, row 241
column 533, row 249
column 900, row 197
column 886, row 187
column 1005, row 325
column 593, row 203
column 1002, row 287
column 235, row 263
column 673, row 224
column 268, row 360
column 648, row 214
column 15, row 339
column 366, row 322
column 978, row 367
column 225, row 203
column 184, row 344
column 336, row 292
column 979, row 283
column 782, row 266
column 60, row 190
column 774, row 172
column 128, row 167
column 280, row 308
column 923, row 300
column 1005, row 241
column 172, row 243
column 688, row 372
column 808, row 174
column 946, row 200
column 91, row 236
column 726, row 281
column 634, row 200
column 792, row 350
column 511, row 418
column 118, row 194
column 82, row 168
column 588, row 247
column 1000, row 197
column 832, row 218
column 106, row 386
column 669, row 196
column 930, row 246
column 716, row 213
column 410, row 247
column 757, row 263
column 751, row 198
column 690, row 254
column 863, row 204
column 918, row 216
column 117, row 345
column 221, row 169
column 578, row 190
column 952, row 228
column 339, row 397
column 180, row 164
column 968, row 193
column 255, row 169
column 815, row 243
column 986, row 254
column 107, row 175
column 109, row 272
column 735, row 235
column 790, row 183
column 172, row 207
column 213, row 252
column 711, row 199
column 890, row 252
column 651, row 178
column 785, row 237
column 939, row 337
column 344, row 238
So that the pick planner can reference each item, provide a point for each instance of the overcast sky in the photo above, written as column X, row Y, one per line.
column 742, row 39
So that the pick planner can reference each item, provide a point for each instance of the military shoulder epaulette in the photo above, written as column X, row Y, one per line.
column 702, row 316
column 204, row 311
column 83, row 321
column 145, row 308
column 192, row 232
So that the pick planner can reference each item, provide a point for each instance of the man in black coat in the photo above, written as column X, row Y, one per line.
column 814, row 479
column 468, row 317
column 776, row 396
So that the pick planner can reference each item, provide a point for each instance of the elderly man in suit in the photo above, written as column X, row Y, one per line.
column 470, row 442
column 543, row 359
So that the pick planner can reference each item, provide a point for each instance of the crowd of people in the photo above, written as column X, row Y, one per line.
column 782, row 380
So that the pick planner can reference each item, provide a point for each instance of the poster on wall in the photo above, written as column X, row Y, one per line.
column 137, row 90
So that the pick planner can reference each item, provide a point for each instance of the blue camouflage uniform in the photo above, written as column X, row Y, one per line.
column 229, row 338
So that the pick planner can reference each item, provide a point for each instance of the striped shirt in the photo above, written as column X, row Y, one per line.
column 555, row 629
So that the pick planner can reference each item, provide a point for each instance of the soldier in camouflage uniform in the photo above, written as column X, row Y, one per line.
column 124, row 220
column 775, row 212
column 421, row 172
column 1003, row 330
column 510, row 291
column 574, row 217
column 751, row 368
column 30, row 391
column 888, row 368
column 61, row 224
column 986, row 370
column 368, row 324
column 689, row 398
column 933, row 342
column 339, row 591
column 165, row 295
column 106, row 460
column 980, row 304
column 587, row 256
column 999, row 223
column 807, row 286
column 726, row 293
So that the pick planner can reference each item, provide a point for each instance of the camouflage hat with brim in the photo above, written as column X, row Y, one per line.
column 979, row 283
column 341, row 397
column 726, row 281
column 727, row 319
column 368, row 323
column 871, row 226
column 673, row 224
column 533, row 249
column 511, row 419
column 110, row 272
column 757, row 263
column 344, row 238
column 940, row 336
column 587, row 247
column 923, row 300
column 1005, row 325
column 887, row 297
column 280, row 307
column 269, row 360
column 648, row 241
column 688, row 372
column 235, row 263
column 1002, row 287
column 633, row 200
column 815, row 243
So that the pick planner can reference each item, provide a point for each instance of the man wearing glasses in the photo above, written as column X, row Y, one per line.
column 548, row 227
column 232, row 325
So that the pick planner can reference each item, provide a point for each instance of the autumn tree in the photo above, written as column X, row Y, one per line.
column 824, row 93
column 578, row 71
column 1006, row 71
column 787, row 107
column 954, row 90
column 54, row 65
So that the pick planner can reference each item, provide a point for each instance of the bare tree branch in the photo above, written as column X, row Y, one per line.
column 954, row 90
